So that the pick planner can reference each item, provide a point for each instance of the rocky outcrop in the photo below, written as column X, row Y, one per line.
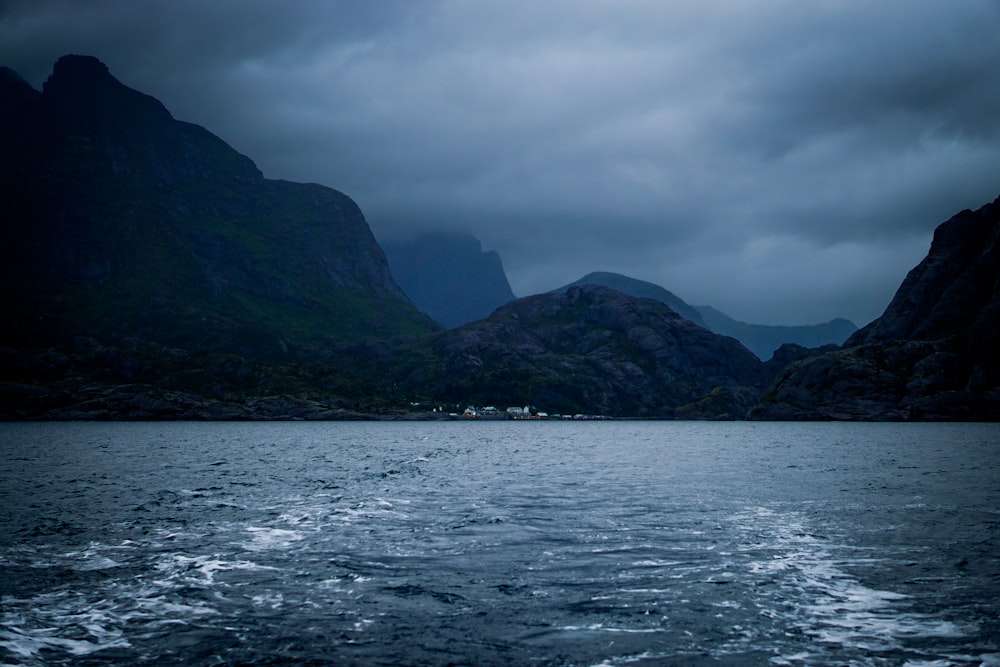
column 590, row 350
column 448, row 276
column 120, row 221
column 934, row 354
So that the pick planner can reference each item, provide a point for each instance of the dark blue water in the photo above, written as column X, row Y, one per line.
column 523, row 543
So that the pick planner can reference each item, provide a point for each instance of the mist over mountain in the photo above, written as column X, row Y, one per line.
column 448, row 276
column 933, row 354
column 150, row 271
column 121, row 221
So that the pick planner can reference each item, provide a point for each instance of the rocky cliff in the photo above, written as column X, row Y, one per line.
column 934, row 354
column 590, row 350
column 121, row 221
column 448, row 276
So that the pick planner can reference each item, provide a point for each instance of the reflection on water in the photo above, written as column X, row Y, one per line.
column 500, row 543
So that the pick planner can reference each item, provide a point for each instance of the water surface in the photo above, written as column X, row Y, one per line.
column 529, row 543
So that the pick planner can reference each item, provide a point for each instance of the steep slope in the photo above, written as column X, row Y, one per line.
column 764, row 339
column 933, row 354
column 592, row 350
column 121, row 222
column 448, row 276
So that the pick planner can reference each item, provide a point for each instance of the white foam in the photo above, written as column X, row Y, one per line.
column 32, row 630
column 625, row 659
column 263, row 538
column 271, row 599
column 179, row 566
column 28, row 644
column 600, row 627
column 834, row 607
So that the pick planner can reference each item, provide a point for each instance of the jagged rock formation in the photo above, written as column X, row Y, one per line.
column 591, row 350
column 934, row 354
column 120, row 221
column 448, row 276
column 761, row 339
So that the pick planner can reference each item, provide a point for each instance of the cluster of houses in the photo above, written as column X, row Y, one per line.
column 526, row 412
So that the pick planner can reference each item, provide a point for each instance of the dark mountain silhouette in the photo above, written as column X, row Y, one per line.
column 591, row 350
column 933, row 354
column 448, row 276
column 149, row 271
column 120, row 221
column 761, row 339
column 638, row 288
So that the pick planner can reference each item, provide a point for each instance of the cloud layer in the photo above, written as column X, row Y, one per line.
column 783, row 161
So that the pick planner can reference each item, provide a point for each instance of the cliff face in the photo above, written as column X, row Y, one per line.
column 933, row 354
column 448, row 276
column 122, row 221
column 593, row 350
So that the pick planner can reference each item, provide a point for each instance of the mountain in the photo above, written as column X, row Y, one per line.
column 448, row 276
column 638, row 288
column 150, row 271
column 122, row 222
column 934, row 354
column 761, row 339
column 590, row 349
column 764, row 339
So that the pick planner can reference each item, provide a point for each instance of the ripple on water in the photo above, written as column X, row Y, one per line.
column 610, row 545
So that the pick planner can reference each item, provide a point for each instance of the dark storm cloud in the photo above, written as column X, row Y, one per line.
column 783, row 161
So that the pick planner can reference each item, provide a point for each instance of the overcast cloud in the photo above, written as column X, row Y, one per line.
column 783, row 161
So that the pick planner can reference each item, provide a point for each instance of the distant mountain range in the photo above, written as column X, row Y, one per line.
column 448, row 276
column 761, row 339
column 149, row 271
column 764, row 339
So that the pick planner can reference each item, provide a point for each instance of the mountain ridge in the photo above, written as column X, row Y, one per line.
column 156, row 228
column 150, row 271
column 761, row 339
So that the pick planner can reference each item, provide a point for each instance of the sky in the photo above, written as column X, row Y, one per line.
column 783, row 161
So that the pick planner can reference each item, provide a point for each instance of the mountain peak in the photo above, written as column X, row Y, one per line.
column 91, row 97
column 113, row 205
column 80, row 68
column 638, row 288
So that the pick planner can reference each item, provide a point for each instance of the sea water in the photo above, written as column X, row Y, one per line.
column 500, row 543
